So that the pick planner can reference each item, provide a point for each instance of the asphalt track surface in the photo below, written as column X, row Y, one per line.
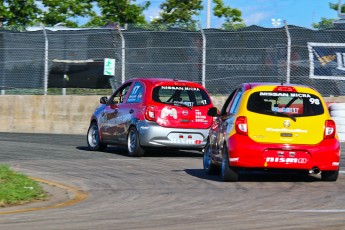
column 163, row 190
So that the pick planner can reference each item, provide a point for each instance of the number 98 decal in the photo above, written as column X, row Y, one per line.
column 314, row 101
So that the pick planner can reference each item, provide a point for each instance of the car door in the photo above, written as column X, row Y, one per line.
column 227, row 122
column 127, row 111
column 216, row 129
column 112, row 114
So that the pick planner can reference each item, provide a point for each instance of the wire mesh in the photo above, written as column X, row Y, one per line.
column 218, row 59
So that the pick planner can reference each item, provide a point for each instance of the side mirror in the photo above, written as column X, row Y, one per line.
column 213, row 112
column 103, row 100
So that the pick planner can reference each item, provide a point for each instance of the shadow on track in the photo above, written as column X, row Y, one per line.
column 122, row 151
column 256, row 176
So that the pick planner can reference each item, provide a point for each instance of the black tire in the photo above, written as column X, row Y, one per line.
column 133, row 144
column 228, row 173
column 209, row 167
column 93, row 140
column 329, row 175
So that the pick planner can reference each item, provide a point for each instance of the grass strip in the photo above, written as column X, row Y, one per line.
column 17, row 188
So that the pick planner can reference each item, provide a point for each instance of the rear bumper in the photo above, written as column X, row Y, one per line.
column 153, row 135
column 324, row 156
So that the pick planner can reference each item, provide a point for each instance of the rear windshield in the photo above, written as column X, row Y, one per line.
column 285, row 103
column 190, row 96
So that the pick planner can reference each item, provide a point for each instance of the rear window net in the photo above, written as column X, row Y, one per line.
column 190, row 96
column 289, row 103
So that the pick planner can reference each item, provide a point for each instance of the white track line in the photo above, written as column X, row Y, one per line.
column 307, row 210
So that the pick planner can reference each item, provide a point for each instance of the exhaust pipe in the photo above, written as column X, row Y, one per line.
column 314, row 170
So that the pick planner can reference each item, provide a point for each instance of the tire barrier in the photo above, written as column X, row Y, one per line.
column 337, row 111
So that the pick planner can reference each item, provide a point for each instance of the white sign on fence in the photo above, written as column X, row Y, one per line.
column 109, row 67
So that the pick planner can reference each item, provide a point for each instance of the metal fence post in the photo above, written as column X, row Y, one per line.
column 288, row 61
column 203, row 78
column 46, row 46
column 123, row 54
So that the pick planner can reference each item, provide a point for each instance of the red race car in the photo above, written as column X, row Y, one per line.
column 148, row 113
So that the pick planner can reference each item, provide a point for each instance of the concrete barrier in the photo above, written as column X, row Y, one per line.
column 59, row 114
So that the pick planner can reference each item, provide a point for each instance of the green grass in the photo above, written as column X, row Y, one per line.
column 16, row 188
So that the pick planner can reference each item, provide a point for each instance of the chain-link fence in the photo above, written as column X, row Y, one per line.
column 71, row 61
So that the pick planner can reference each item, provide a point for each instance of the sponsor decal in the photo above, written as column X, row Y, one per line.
column 199, row 117
column 187, row 103
column 233, row 159
column 181, row 88
column 286, row 130
column 286, row 160
column 279, row 94
column 285, row 110
column 166, row 112
column 185, row 141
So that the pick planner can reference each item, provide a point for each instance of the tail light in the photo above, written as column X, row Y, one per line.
column 241, row 125
column 330, row 129
column 283, row 88
column 150, row 113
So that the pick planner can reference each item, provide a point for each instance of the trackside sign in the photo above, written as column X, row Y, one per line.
column 109, row 67
column 327, row 60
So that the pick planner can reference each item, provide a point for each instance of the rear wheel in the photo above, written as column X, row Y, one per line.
column 209, row 167
column 133, row 144
column 227, row 172
column 93, row 140
column 329, row 175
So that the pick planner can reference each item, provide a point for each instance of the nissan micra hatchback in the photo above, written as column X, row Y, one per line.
column 272, row 127
column 148, row 113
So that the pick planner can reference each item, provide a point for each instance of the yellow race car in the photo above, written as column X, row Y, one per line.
column 272, row 126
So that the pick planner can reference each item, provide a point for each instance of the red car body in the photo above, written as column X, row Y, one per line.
column 148, row 113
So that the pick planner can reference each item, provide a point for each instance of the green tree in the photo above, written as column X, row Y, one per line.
column 232, row 16
column 57, row 11
column 121, row 11
column 18, row 12
column 179, row 13
column 327, row 23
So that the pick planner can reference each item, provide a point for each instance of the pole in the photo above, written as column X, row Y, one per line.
column 123, row 54
column 45, row 90
column 203, row 77
column 288, row 59
column 208, row 15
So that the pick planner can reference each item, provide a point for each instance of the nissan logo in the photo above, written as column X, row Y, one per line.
column 185, row 112
column 286, row 123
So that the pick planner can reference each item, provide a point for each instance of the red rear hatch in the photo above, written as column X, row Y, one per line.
column 180, row 105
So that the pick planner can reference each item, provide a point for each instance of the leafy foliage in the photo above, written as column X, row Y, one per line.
column 232, row 16
column 326, row 23
column 58, row 11
column 174, row 13
column 18, row 12
column 179, row 13
column 121, row 11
